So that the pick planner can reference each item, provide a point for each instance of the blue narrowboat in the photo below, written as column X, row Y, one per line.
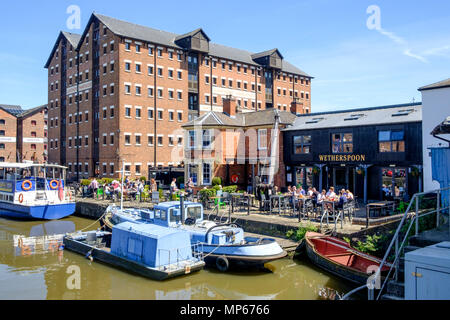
column 34, row 191
column 149, row 250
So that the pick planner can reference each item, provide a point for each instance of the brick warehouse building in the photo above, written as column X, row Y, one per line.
column 23, row 134
column 121, row 91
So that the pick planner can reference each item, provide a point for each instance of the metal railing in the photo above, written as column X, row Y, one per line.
column 175, row 258
column 414, row 217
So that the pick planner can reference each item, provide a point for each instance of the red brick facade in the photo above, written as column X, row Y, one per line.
column 139, row 81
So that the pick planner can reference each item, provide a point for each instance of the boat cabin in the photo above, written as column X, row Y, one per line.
column 151, row 245
column 24, row 183
column 168, row 214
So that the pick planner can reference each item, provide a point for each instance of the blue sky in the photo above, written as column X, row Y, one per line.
column 352, row 65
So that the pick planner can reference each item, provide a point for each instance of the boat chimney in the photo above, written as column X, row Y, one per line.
column 182, row 208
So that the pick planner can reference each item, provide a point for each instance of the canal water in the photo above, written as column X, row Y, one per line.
column 33, row 268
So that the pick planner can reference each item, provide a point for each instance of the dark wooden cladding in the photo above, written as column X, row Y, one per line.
column 365, row 152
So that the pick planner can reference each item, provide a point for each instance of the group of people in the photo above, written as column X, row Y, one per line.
column 389, row 195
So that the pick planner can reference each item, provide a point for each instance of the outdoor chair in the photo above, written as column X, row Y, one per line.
column 286, row 206
column 155, row 197
column 265, row 203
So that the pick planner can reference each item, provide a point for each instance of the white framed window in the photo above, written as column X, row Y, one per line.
column 262, row 139
column 207, row 168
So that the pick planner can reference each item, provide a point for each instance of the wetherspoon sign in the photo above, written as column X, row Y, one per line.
column 342, row 158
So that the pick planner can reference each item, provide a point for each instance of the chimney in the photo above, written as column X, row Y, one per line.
column 229, row 106
column 296, row 107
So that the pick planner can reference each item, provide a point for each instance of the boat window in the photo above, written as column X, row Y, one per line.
column 194, row 212
column 175, row 215
column 160, row 214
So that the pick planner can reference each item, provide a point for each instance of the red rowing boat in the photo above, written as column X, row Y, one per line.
column 338, row 257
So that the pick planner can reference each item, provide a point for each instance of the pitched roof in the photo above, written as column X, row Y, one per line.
column 32, row 111
column 73, row 39
column 443, row 128
column 12, row 109
column 437, row 85
column 247, row 119
column 192, row 33
column 359, row 117
column 139, row 32
column 266, row 53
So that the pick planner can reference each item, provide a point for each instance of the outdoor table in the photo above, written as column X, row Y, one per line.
column 280, row 198
column 234, row 197
column 379, row 208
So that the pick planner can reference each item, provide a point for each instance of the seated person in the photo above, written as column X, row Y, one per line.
column 342, row 200
column 350, row 196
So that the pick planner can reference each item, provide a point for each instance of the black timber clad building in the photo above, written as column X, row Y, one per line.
column 358, row 150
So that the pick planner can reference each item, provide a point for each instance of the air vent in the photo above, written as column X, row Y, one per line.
column 354, row 117
column 314, row 120
column 403, row 113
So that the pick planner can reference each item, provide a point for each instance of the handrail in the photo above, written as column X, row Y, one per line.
column 395, row 241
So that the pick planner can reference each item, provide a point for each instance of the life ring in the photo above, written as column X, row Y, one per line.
column 53, row 186
column 21, row 198
column 222, row 264
column 235, row 179
column 27, row 185
column 69, row 194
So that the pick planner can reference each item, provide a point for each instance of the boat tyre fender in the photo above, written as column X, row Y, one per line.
column 27, row 185
column 222, row 264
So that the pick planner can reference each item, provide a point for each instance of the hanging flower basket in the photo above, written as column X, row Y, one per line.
column 361, row 172
column 415, row 172
column 316, row 171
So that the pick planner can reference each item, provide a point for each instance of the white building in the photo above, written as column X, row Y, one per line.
column 436, row 108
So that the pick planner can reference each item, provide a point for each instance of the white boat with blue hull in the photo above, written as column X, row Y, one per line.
column 34, row 192
column 223, row 245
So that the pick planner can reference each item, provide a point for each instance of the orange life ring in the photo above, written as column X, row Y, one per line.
column 21, row 198
column 52, row 186
column 235, row 179
column 27, row 182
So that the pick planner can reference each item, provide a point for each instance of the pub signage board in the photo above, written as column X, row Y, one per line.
column 342, row 158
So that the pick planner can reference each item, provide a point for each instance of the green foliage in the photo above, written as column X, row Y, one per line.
column 161, row 193
column 371, row 245
column 85, row 182
column 216, row 188
column 230, row 189
column 299, row 234
column 207, row 193
column 347, row 240
column 143, row 179
column 216, row 181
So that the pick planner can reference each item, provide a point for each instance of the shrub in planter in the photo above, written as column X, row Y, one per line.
column 85, row 182
column 143, row 179
column 216, row 181
column 230, row 189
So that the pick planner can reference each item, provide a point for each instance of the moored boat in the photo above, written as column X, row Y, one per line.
column 339, row 258
column 223, row 245
column 34, row 191
column 151, row 251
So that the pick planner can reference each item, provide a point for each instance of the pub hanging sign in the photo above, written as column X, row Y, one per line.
column 342, row 158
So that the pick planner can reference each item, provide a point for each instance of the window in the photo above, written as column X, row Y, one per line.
column 138, row 170
column 150, row 92
column 138, row 90
column 160, row 52
column 127, row 66
column 138, row 113
column 206, row 174
column 150, row 51
column 138, row 68
column 180, row 116
column 150, row 113
column 33, row 147
column 191, row 140
column 127, row 89
column 150, row 70
column 302, row 144
column 342, row 143
column 160, row 141
column 391, row 141
column 206, row 139
column 170, row 141
column 138, row 140
column 127, row 46
column 180, row 75
column 160, row 114
column 262, row 139
column 127, row 139
column 2, row 146
column 33, row 134
column 128, row 112
column 150, row 140
column 138, row 48
column 170, row 75
column 171, row 117
column 160, row 72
